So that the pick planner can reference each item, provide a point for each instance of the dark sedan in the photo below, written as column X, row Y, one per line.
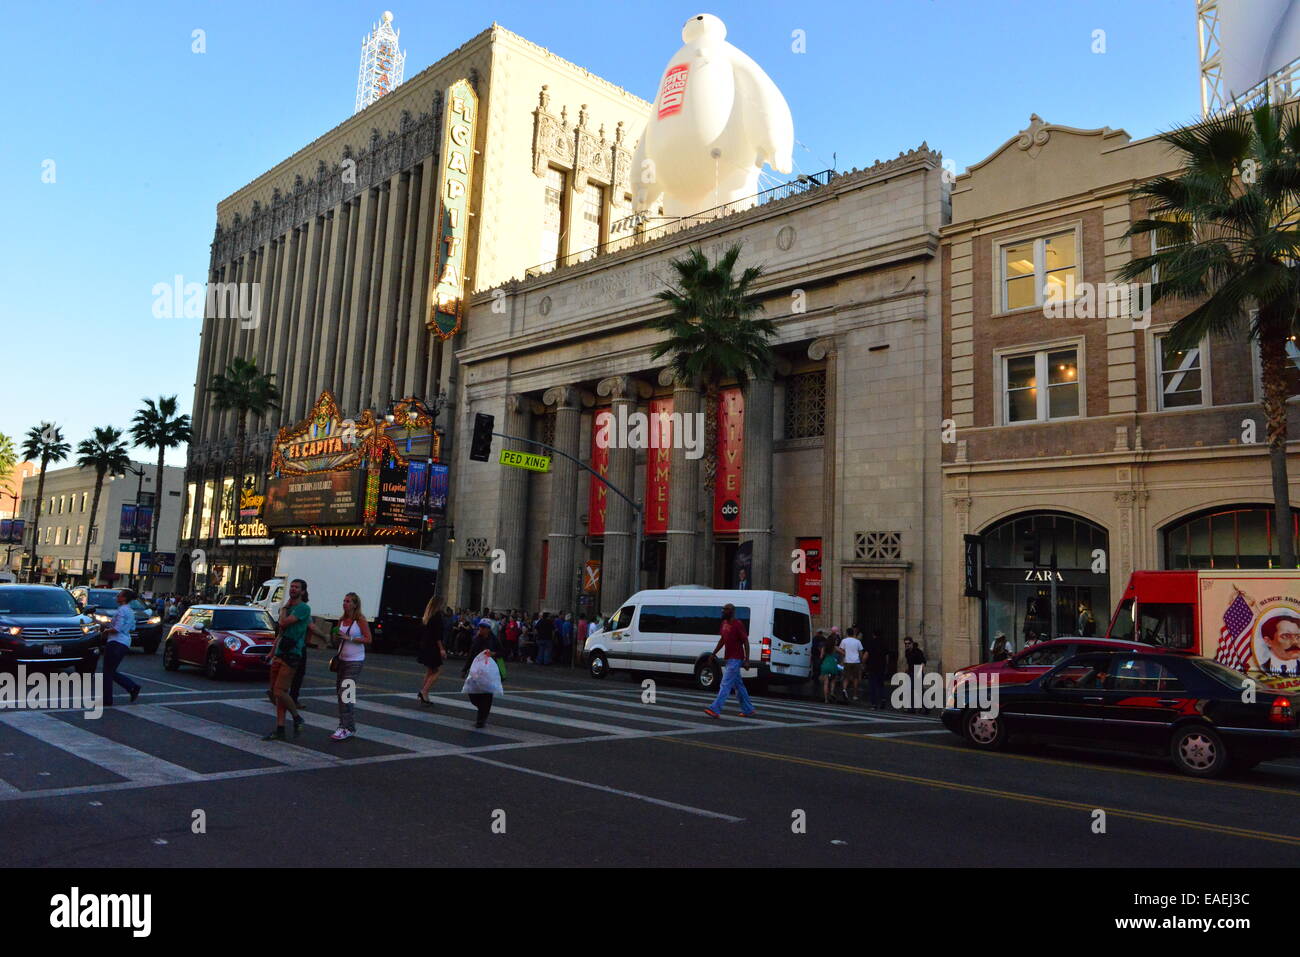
column 1207, row 718
column 42, row 628
column 101, row 604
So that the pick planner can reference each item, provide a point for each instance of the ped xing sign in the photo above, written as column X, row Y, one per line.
column 526, row 460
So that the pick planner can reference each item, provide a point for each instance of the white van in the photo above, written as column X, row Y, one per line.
column 674, row 631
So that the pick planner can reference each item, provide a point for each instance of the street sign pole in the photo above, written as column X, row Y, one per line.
column 636, row 508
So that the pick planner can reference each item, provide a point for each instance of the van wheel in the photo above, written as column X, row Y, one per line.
column 707, row 676
column 987, row 734
column 171, row 659
column 598, row 665
column 1198, row 751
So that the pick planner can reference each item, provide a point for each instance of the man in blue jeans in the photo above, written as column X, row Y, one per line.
column 735, row 640
column 118, row 644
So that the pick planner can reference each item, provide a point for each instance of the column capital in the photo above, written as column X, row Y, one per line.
column 624, row 387
column 568, row 397
column 823, row 348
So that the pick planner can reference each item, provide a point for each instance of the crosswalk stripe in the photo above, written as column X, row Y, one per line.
column 246, row 741
column 121, row 760
column 693, row 717
column 780, row 708
column 429, row 717
column 611, row 711
column 396, row 739
column 615, row 730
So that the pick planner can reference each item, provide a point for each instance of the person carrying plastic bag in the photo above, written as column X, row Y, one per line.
column 482, row 672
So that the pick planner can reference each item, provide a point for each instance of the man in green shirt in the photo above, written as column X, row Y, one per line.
column 295, row 619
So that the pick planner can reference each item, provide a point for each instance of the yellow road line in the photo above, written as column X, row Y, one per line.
column 1158, row 775
column 1144, row 816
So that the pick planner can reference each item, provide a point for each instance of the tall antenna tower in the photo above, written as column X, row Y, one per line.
column 382, row 63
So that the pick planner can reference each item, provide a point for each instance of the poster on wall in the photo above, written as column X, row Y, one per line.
column 438, row 482
column 391, row 506
column 731, row 442
column 1252, row 625
column 809, row 585
column 417, row 486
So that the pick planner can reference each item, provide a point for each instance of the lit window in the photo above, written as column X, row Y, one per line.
column 1181, row 382
column 1037, row 270
column 1025, row 401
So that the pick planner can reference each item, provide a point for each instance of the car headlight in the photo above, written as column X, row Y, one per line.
column 155, row 620
column 232, row 644
column 13, row 631
column 87, row 629
column 102, row 618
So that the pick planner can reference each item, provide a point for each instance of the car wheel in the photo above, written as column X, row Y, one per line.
column 598, row 665
column 707, row 676
column 171, row 658
column 212, row 665
column 1199, row 751
column 983, row 732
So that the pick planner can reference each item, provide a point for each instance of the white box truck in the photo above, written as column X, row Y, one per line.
column 393, row 583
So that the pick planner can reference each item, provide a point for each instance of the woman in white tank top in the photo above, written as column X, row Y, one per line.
column 354, row 635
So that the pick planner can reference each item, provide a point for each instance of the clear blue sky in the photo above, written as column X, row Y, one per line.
column 146, row 136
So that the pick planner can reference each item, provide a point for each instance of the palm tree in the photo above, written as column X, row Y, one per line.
column 43, row 442
column 1229, row 221
column 8, row 457
column 157, row 426
column 247, row 391
column 106, row 454
column 714, row 333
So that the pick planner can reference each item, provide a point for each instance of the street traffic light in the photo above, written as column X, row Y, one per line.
column 480, row 446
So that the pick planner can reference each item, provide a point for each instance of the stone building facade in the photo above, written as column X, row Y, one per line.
column 1080, row 445
column 839, row 449
column 343, row 242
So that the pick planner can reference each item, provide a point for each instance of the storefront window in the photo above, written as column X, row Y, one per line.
column 1040, row 581
column 1234, row 537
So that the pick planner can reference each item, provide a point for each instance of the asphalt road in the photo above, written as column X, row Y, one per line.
column 575, row 771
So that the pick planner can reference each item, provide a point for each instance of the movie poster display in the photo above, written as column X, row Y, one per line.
column 320, row 498
column 598, row 493
column 658, row 464
column 731, row 443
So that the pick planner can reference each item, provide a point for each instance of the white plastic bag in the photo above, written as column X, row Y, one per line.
column 484, row 676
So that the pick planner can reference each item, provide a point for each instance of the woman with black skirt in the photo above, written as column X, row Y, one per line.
column 432, row 651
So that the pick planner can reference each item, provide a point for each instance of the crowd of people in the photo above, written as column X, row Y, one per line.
column 839, row 662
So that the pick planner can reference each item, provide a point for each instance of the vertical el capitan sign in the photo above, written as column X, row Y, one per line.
column 454, row 183
column 731, row 442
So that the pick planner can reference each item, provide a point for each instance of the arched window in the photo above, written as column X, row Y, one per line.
column 1234, row 536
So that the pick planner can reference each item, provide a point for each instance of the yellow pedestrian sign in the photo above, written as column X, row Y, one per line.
column 526, row 460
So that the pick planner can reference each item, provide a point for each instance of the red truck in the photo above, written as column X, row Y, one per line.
column 1246, row 619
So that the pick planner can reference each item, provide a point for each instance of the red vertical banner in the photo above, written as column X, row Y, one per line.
column 657, row 464
column 602, row 431
column 810, row 579
column 731, row 443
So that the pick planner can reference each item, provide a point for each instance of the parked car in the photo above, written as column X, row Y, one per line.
column 223, row 640
column 42, row 628
column 1038, row 659
column 1207, row 718
column 101, row 604
column 674, row 631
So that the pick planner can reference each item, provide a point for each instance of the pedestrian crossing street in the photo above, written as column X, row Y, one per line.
column 182, row 740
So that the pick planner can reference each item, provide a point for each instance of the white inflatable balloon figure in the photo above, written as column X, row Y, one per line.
column 717, row 119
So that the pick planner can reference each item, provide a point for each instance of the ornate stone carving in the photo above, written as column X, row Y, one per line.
column 1034, row 137
column 823, row 348
column 568, row 397
column 624, row 387
column 577, row 148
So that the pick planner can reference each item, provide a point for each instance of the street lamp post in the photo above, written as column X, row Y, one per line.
column 10, row 549
column 139, row 493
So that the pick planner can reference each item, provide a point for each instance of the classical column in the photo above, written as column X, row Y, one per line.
column 378, row 262
column 390, row 292
column 507, row 589
column 827, row 348
column 618, row 572
column 683, row 493
column 561, row 582
column 756, row 503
